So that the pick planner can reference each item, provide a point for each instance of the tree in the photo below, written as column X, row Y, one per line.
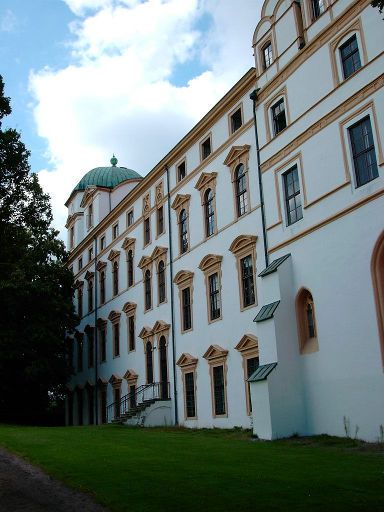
column 36, row 288
column 379, row 4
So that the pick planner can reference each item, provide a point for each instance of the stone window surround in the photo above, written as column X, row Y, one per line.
column 211, row 264
column 241, row 247
column 217, row 356
column 184, row 279
column 188, row 364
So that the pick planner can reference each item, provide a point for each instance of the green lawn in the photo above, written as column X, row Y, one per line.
column 178, row 470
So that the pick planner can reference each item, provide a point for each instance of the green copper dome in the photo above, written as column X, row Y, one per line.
column 108, row 177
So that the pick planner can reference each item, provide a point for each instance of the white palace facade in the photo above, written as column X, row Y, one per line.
column 241, row 281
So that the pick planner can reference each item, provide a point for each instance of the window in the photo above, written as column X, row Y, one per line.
column 248, row 347
column 115, row 231
column 241, row 191
column 130, row 267
column 248, row 289
column 147, row 290
column 186, row 309
column 131, row 333
column 80, row 301
column 90, row 295
column 116, row 339
column 160, row 220
column 102, row 242
column 90, row 216
column 206, row 148
column 363, row 152
column 183, row 231
column 252, row 364
column 90, row 348
column 279, row 121
column 117, row 398
column 267, row 55
column 80, row 263
column 90, row 254
column 102, row 287
column 72, row 237
column 219, row 390
column 161, row 281
column 103, row 344
column 209, row 213
column 80, row 355
column 350, row 57
column 181, row 171
column 149, row 362
column 293, row 208
column 214, row 296
column 306, row 320
column 318, row 7
column 115, row 277
column 190, row 402
column 130, row 218
column 236, row 120
column 147, row 231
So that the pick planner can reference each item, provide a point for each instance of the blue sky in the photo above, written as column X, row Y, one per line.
column 91, row 77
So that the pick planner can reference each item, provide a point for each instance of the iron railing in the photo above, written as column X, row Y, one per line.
column 132, row 402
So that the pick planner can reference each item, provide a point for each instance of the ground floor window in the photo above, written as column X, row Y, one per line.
column 190, row 402
column 219, row 390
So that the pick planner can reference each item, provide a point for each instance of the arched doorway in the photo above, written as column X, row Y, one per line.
column 163, row 368
column 377, row 268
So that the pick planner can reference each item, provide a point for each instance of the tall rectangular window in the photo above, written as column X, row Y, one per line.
column 90, row 216
column 236, row 120
column 279, row 120
column 90, row 253
column 90, row 349
column 80, row 302
column 214, row 296
column 80, row 263
column 102, row 243
column 129, row 218
column 181, row 171
column 160, row 220
column 90, row 295
column 292, row 196
column 350, row 57
column 267, row 55
column 147, row 231
column 219, row 390
column 131, row 333
column 80, row 355
column 206, row 148
column 116, row 340
column 186, row 308
column 115, row 231
column 190, row 401
column 103, row 345
column 252, row 365
column 318, row 7
column 248, row 288
column 71, row 237
column 363, row 152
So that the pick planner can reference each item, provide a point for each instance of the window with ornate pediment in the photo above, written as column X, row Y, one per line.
column 216, row 357
column 237, row 161
column 244, row 250
column 129, row 247
column 129, row 309
column 114, row 257
column 181, row 206
column 249, row 349
column 101, row 268
column 187, row 365
column 211, row 266
column 131, row 377
column 206, row 185
column 116, row 381
column 159, row 196
column 184, row 280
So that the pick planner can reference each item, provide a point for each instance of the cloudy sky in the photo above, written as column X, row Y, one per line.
column 88, row 78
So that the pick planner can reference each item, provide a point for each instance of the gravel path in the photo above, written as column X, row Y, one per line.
column 25, row 488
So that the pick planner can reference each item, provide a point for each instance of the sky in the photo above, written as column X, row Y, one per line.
column 89, row 78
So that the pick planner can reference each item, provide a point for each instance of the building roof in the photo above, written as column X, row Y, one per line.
column 266, row 312
column 272, row 267
column 108, row 177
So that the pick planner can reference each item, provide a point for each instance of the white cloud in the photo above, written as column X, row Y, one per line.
column 117, row 96
column 8, row 22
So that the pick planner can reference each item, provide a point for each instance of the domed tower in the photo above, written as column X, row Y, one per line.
column 96, row 194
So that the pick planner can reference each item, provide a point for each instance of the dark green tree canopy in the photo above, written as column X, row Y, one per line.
column 35, row 287
column 379, row 4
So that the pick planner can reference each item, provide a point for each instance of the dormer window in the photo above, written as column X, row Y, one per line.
column 267, row 55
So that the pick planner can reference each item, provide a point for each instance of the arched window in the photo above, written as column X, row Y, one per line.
column 149, row 362
column 377, row 268
column 209, row 213
column 241, row 190
column 102, row 287
column 130, row 268
column 90, row 294
column 161, row 281
column 183, row 231
column 306, row 321
column 147, row 289
column 115, row 278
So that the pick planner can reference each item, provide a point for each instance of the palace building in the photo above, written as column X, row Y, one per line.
column 241, row 281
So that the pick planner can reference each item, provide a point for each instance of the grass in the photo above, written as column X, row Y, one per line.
column 174, row 470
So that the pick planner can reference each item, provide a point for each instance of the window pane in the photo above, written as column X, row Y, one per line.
column 190, row 395
column 363, row 152
column 219, row 390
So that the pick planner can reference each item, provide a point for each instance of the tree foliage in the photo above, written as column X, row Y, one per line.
column 379, row 4
column 35, row 287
